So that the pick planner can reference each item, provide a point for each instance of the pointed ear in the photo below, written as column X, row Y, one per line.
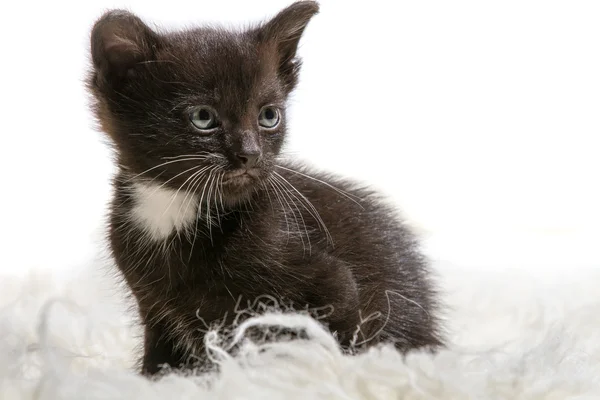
column 119, row 41
column 285, row 30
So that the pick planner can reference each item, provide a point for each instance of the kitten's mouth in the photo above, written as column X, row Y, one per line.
column 241, row 176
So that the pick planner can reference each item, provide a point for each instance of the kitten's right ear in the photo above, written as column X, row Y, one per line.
column 284, row 30
column 119, row 41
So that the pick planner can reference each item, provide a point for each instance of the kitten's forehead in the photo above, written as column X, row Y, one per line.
column 223, row 61
column 214, row 44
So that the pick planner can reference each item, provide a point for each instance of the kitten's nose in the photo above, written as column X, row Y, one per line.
column 248, row 159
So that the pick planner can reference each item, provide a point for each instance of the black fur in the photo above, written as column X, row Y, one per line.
column 301, row 237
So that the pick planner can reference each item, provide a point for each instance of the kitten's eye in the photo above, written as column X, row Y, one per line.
column 204, row 118
column 268, row 117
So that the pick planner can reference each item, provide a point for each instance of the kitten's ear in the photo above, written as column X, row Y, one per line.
column 285, row 30
column 119, row 41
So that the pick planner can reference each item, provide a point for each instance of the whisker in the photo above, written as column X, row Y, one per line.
column 156, row 61
column 212, row 170
column 189, row 190
column 194, row 187
column 217, row 195
column 307, row 202
column 161, row 165
column 179, row 189
column 211, row 192
column 266, row 190
column 200, row 154
column 221, row 191
column 269, row 181
column 211, row 189
column 170, row 179
column 349, row 196
column 286, row 193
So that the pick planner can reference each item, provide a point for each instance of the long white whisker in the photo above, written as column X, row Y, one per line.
column 349, row 196
column 162, row 165
column 208, row 195
column 188, row 191
column 195, row 187
column 307, row 202
column 207, row 203
column 287, row 223
column 286, row 194
column 174, row 196
column 221, row 191
column 210, row 192
column 201, row 154
column 216, row 194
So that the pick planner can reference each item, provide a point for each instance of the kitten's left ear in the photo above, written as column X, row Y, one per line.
column 285, row 30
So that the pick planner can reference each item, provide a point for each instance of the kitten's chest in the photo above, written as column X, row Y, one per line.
column 159, row 235
column 199, row 252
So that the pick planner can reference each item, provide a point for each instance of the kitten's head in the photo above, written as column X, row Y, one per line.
column 183, row 108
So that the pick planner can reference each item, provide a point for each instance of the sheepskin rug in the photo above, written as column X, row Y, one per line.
column 514, row 333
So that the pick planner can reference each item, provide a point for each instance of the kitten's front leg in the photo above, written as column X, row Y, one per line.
column 336, row 287
column 178, row 340
column 160, row 351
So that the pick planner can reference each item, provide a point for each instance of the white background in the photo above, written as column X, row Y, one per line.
column 481, row 119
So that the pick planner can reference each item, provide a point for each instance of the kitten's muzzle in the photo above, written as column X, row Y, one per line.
column 241, row 175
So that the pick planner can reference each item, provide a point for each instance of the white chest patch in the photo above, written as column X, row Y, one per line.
column 160, row 211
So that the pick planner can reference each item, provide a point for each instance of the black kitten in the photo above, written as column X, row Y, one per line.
column 204, row 211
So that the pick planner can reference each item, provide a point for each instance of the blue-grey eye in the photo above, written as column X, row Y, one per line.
column 268, row 117
column 203, row 118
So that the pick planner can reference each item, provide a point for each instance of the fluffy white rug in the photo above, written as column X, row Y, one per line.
column 514, row 334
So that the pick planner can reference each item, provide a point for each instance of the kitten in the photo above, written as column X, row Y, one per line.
column 206, row 212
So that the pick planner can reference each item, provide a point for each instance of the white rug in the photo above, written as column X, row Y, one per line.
column 514, row 334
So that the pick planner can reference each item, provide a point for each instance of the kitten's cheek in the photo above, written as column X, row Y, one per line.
column 273, row 138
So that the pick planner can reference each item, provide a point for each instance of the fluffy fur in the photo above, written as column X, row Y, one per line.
column 69, row 339
column 160, row 211
column 207, row 215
